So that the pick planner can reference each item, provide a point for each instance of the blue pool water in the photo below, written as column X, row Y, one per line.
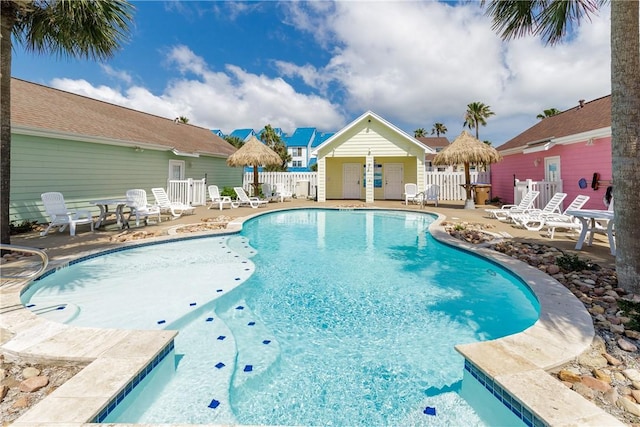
column 308, row 317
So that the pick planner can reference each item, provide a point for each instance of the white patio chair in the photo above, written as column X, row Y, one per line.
column 245, row 200
column 431, row 192
column 411, row 193
column 283, row 193
column 60, row 216
column 217, row 200
column 552, row 207
column 502, row 214
column 538, row 221
column 269, row 192
column 176, row 209
column 140, row 207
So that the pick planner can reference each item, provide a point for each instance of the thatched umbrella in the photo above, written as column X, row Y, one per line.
column 467, row 149
column 254, row 153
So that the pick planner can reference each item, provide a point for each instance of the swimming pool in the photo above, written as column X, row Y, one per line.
column 361, row 311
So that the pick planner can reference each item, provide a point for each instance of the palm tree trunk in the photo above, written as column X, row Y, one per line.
column 625, row 144
column 7, row 22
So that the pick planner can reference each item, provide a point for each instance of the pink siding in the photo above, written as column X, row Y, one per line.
column 576, row 161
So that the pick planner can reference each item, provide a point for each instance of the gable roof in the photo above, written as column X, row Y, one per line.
column 369, row 115
column 320, row 138
column 584, row 117
column 301, row 137
column 434, row 142
column 44, row 111
column 243, row 134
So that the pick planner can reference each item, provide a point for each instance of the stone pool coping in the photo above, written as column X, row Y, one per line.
column 518, row 362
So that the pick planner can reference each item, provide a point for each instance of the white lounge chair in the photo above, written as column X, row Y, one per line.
column 217, row 200
column 565, row 221
column 552, row 207
column 537, row 221
column 60, row 216
column 269, row 192
column 245, row 200
column 283, row 193
column 175, row 208
column 140, row 207
column 431, row 192
column 502, row 214
column 411, row 193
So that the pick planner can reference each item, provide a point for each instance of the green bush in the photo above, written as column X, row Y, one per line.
column 572, row 263
column 632, row 310
column 22, row 227
column 228, row 191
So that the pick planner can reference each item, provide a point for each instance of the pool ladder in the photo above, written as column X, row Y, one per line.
column 29, row 275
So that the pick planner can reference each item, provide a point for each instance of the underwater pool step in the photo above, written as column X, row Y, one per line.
column 61, row 313
column 257, row 348
column 240, row 245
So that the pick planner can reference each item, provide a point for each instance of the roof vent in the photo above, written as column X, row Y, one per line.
column 581, row 102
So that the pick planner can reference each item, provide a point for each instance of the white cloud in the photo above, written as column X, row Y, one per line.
column 414, row 63
column 118, row 74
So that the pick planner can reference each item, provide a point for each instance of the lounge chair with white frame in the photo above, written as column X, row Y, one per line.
column 60, row 216
column 535, row 221
column 140, row 207
column 526, row 203
column 565, row 221
column 218, row 200
column 431, row 192
column 175, row 208
column 244, row 199
column 552, row 207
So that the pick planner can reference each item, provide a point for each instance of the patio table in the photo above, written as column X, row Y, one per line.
column 104, row 204
column 588, row 218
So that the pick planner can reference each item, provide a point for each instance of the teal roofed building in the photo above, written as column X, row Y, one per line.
column 243, row 134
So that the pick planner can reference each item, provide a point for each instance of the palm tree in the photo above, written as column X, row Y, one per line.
column 551, row 20
column 273, row 141
column 183, row 119
column 234, row 140
column 476, row 115
column 80, row 29
column 419, row 133
column 548, row 113
column 438, row 128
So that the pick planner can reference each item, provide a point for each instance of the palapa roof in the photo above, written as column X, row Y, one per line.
column 467, row 149
column 55, row 113
column 584, row 117
column 254, row 153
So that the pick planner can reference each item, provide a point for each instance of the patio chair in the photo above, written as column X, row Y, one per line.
column 502, row 214
column 552, row 207
column 269, row 192
column 244, row 200
column 537, row 221
column 431, row 192
column 59, row 215
column 283, row 193
column 167, row 206
column 217, row 200
column 411, row 193
column 140, row 207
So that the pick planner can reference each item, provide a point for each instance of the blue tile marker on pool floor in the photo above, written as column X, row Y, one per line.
column 214, row 404
column 429, row 411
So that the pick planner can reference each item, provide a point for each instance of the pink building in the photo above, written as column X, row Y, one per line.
column 573, row 147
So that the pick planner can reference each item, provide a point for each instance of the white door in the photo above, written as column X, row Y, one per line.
column 552, row 168
column 393, row 181
column 352, row 180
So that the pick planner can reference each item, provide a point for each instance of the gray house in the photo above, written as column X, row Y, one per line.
column 88, row 149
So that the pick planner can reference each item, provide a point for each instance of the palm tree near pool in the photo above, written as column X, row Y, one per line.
column 548, row 113
column 476, row 115
column 438, row 128
column 552, row 20
column 419, row 133
column 73, row 28
column 270, row 137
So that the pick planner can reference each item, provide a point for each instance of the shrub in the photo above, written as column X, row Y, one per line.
column 22, row 227
column 632, row 310
column 572, row 263
column 228, row 191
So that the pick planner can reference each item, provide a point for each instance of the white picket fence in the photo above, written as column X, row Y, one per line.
column 296, row 182
column 188, row 191
column 546, row 188
column 302, row 184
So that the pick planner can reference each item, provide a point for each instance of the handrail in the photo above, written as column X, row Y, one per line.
column 25, row 249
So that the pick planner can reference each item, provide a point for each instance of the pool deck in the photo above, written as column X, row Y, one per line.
column 518, row 362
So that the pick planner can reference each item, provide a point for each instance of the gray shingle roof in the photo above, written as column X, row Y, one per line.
column 40, row 107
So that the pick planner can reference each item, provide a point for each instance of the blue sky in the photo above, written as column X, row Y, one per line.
column 228, row 65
